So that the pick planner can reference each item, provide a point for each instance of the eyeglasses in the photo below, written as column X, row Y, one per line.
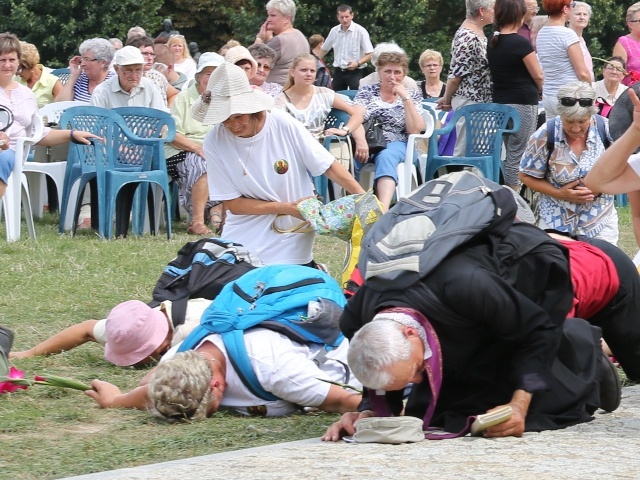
column 634, row 21
column 572, row 5
column 149, row 54
column 570, row 101
column 264, row 66
column 613, row 67
column 535, row 9
column 431, row 65
column 87, row 59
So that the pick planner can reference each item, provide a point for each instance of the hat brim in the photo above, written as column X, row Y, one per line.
column 621, row 115
column 158, row 335
column 221, row 108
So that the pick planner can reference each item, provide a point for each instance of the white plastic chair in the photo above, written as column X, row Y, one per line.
column 37, row 172
column 17, row 192
column 408, row 179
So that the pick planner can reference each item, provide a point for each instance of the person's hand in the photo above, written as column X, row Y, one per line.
column 352, row 65
column 576, row 192
column 265, row 34
column 199, row 151
column 80, row 136
column 4, row 141
column 443, row 104
column 335, row 131
column 399, row 89
column 344, row 426
column 206, row 97
column 362, row 153
column 74, row 66
column 514, row 427
column 104, row 393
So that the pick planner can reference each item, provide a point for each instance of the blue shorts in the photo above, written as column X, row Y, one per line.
column 7, row 159
column 387, row 161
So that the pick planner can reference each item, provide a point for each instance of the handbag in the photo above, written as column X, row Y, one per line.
column 374, row 135
column 336, row 218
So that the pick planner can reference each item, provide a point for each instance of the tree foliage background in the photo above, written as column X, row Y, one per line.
column 57, row 27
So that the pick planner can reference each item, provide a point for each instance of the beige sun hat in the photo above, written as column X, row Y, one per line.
column 231, row 94
column 235, row 54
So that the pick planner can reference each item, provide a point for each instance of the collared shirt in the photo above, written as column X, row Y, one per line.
column 565, row 167
column 348, row 46
column 109, row 94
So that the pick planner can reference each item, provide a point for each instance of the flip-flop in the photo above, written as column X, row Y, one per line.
column 199, row 229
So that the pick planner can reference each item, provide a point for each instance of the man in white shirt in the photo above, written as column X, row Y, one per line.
column 352, row 50
column 129, row 88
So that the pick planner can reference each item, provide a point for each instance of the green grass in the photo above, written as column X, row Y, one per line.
column 57, row 281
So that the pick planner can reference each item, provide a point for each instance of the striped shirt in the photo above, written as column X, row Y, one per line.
column 349, row 46
column 81, row 88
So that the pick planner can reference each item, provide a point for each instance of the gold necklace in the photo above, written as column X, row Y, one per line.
column 253, row 141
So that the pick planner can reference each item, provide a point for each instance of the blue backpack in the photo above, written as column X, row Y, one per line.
column 275, row 297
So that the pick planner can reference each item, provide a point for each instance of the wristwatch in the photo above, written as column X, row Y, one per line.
column 346, row 129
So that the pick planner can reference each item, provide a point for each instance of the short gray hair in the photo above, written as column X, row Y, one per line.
column 374, row 348
column 474, row 6
column 577, row 90
column 262, row 51
column 285, row 7
column 382, row 48
column 586, row 6
column 101, row 48
column 632, row 10
column 180, row 388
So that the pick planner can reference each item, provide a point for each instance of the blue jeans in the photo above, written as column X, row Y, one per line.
column 386, row 161
column 7, row 160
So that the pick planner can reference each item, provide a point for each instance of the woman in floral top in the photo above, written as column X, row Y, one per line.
column 469, row 79
column 566, row 204
column 399, row 113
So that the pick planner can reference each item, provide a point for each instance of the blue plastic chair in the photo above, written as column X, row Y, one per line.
column 486, row 123
column 62, row 73
column 81, row 162
column 158, row 125
column 335, row 119
column 349, row 93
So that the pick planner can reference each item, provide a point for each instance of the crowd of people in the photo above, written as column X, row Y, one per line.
column 246, row 151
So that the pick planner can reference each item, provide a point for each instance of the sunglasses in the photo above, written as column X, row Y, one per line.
column 570, row 101
column 572, row 5
column 264, row 66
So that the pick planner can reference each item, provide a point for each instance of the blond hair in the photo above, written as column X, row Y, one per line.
column 180, row 388
column 180, row 39
column 30, row 56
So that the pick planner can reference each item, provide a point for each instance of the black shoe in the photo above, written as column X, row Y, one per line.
column 6, row 340
column 610, row 385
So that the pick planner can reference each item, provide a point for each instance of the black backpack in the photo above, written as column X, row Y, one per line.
column 323, row 77
column 201, row 269
column 418, row 232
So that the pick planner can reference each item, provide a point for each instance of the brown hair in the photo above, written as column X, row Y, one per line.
column 9, row 43
column 315, row 40
column 395, row 58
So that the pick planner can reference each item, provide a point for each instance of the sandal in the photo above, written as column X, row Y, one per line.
column 198, row 229
column 217, row 222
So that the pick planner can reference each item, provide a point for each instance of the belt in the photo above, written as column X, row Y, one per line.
column 346, row 70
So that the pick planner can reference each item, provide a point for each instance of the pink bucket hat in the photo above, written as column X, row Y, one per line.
column 133, row 331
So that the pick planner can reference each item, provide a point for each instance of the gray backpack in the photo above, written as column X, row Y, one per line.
column 418, row 232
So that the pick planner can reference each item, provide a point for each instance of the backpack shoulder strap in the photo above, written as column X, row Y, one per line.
column 551, row 138
column 602, row 131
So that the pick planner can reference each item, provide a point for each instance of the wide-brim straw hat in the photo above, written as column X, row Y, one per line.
column 231, row 94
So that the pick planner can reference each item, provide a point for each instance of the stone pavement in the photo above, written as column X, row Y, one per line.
column 607, row 447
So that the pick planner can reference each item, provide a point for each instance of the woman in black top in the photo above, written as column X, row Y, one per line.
column 431, row 65
column 517, row 80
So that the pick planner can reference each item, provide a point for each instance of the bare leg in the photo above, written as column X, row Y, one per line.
column 199, row 197
column 3, row 187
column 385, row 188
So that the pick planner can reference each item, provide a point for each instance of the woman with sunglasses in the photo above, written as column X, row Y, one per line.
column 558, row 157
column 559, row 53
column 265, row 57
